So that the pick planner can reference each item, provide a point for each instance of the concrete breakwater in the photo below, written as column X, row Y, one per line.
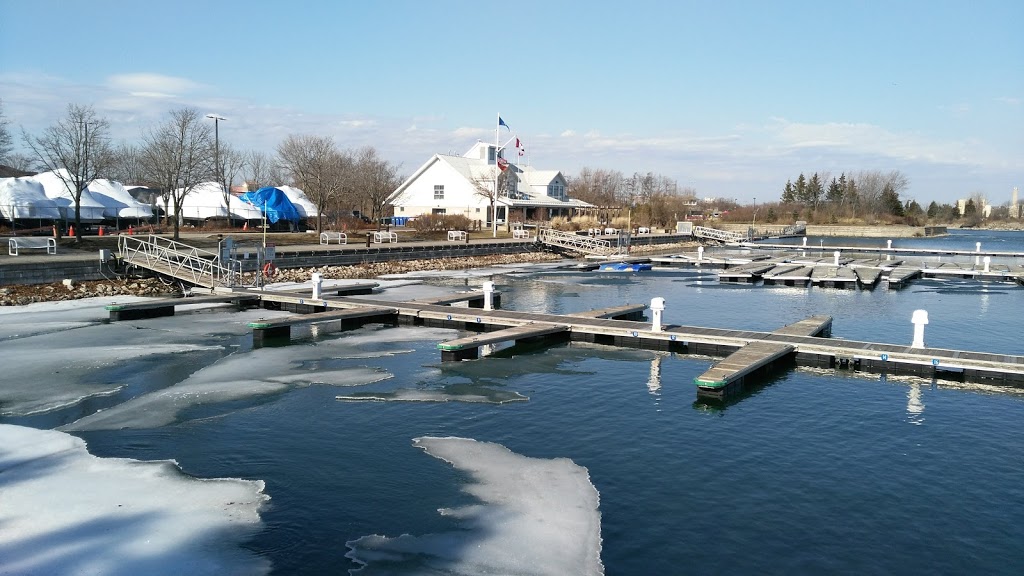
column 887, row 231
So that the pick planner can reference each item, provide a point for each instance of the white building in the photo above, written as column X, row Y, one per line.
column 452, row 185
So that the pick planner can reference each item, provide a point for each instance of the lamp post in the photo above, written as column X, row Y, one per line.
column 216, row 156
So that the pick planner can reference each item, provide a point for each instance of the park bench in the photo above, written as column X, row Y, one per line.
column 521, row 233
column 456, row 235
column 48, row 244
column 328, row 237
column 379, row 237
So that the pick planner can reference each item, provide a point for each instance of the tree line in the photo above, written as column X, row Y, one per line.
column 183, row 151
column 649, row 199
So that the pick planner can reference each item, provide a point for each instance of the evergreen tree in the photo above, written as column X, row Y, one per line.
column 814, row 191
column 834, row 195
column 800, row 189
column 890, row 200
column 788, row 193
column 933, row 209
column 971, row 208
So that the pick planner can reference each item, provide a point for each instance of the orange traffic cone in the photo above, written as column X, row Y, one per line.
column 71, row 230
column 246, row 225
column 101, row 231
column 130, row 231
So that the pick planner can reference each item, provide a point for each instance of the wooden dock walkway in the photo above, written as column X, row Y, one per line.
column 726, row 377
column 817, row 350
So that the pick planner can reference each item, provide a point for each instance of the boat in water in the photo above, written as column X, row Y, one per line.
column 624, row 267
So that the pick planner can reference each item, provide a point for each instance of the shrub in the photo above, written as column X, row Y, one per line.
column 440, row 222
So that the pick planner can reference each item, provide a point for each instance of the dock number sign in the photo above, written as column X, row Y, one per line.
column 884, row 357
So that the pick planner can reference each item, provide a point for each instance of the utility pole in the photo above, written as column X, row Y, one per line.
column 216, row 158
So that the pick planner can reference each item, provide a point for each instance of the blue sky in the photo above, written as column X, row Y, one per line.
column 731, row 98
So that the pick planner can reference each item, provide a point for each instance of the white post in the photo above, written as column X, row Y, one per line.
column 700, row 253
column 835, row 258
column 657, row 307
column 488, row 295
column 888, row 247
column 317, row 285
column 920, row 318
column 987, row 260
column 805, row 240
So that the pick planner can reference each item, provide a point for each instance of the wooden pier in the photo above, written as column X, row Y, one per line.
column 279, row 329
column 726, row 377
column 805, row 343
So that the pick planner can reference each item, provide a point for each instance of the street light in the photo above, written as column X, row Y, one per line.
column 216, row 154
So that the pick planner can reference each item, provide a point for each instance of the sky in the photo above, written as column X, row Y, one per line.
column 729, row 98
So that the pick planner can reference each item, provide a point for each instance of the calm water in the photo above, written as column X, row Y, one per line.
column 815, row 472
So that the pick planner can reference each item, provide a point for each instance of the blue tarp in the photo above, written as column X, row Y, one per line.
column 278, row 206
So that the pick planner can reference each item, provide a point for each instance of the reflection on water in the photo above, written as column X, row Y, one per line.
column 654, row 380
column 915, row 405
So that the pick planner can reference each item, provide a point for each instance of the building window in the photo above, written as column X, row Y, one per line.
column 401, row 208
column 556, row 190
column 477, row 210
column 439, row 211
column 439, row 192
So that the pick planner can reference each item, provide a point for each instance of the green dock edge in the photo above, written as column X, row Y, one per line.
column 260, row 325
column 710, row 384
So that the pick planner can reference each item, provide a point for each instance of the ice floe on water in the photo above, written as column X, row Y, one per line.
column 451, row 393
column 65, row 511
column 57, row 354
column 238, row 376
column 534, row 516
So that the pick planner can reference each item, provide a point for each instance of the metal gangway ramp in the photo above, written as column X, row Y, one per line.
column 179, row 261
column 720, row 235
column 576, row 243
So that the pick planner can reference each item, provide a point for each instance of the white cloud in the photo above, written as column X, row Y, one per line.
column 150, row 85
column 568, row 133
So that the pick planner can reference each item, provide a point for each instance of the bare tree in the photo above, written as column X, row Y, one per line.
column 178, row 155
column 6, row 141
column 126, row 166
column 261, row 169
column 76, row 150
column 232, row 162
column 315, row 165
column 378, row 179
column 491, row 184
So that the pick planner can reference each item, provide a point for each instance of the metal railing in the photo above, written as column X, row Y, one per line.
column 178, row 260
column 576, row 243
column 720, row 235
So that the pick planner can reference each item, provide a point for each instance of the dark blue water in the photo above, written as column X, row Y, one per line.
column 815, row 472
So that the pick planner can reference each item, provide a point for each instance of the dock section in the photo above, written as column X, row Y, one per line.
column 469, row 348
column 726, row 378
column 279, row 329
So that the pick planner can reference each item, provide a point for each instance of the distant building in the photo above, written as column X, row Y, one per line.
column 1014, row 205
column 984, row 209
column 450, row 185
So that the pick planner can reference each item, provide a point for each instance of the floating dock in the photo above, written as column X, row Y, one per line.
column 726, row 377
column 806, row 343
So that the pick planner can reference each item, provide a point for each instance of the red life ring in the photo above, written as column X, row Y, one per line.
column 269, row 269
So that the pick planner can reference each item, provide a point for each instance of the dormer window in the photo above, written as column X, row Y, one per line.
column 556, row 190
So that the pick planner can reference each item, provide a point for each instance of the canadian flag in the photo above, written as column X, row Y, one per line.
column 520, row 147
column 502, row 163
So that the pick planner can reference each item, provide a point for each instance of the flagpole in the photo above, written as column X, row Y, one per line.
column 494, row 192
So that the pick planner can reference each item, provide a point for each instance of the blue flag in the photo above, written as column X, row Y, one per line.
column 502, row 123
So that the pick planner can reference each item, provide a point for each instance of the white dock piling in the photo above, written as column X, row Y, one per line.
column 657, row 307
column 317, row 285
column 700, row 253
column 835, row 258
column 920, row 319
column 987, row 260
column 488, row 295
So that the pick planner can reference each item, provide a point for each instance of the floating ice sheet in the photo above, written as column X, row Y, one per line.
column 535, row 516
column 238, row 376
column 450, row 393
column 65, row 511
